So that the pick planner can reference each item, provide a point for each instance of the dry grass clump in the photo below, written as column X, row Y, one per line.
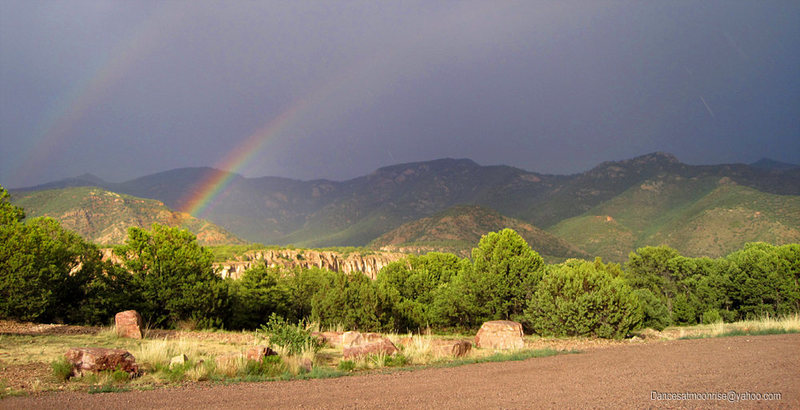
column 157, row 353
column 763, row 326
column 419, row 349
column 790, row 323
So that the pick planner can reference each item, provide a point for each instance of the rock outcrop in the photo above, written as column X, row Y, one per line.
column 500, row 334
column 96, row 359
column 367, row 263
column 129, row 324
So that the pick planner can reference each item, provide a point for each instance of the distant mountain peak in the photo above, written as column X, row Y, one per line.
column 771, row 164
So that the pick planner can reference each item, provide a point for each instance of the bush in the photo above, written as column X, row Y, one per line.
column 347, row 365
column 711, row 316
column 175, row 277
column 292, row 339
column 580, row 298
column 62, row 369
column 655, row 312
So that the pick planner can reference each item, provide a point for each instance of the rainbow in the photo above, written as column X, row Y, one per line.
column 201, row 196
column 71, row 107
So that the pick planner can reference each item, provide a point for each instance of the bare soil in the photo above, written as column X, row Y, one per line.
column 621, row 375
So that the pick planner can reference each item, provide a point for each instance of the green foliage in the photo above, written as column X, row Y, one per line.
column 411, row 284
column 766, row 280
column 9, row 213
column 175, row 277
column 62, row 369
column 255, row 296
column 267, row 367
column 655, row 313
column 347, row 365
column 506, row 271
column 292, row 338
column 579, row 298
column 711, row 316
column 353, row 301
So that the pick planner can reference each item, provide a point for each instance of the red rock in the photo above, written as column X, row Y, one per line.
column 382, row 345
column 500, row 334
column 331, row 338
column 257, row 353
column 457, row 348
column 351, row 338
column 129, row 324
column 96, row 359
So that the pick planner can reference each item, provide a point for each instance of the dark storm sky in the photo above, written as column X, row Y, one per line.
column 336, row 89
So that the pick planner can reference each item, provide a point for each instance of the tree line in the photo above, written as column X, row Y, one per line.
column 48, row 274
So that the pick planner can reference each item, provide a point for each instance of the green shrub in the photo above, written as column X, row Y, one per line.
column 270, row 366
column 347, row 365
column 62, row 369
column 580, row 298
column 655, row 312
column 711, row 316
column 294, row 339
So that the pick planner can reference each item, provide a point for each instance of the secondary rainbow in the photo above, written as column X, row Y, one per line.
column 72, row 106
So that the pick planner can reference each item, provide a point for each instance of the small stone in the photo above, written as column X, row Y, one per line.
column 456, row 348
column 178, row 360
column 258, row 353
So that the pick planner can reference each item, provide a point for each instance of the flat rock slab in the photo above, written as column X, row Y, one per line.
column 97, row 359
column 501, row 335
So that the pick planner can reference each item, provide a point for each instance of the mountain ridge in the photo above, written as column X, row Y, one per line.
column 354, row 212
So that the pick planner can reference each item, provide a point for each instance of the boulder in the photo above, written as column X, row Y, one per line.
column 351, row 338
column 129, row 324
column 382, row 345
column 457, row 348
column 500, row 334
column 178, row 360
column 331, row 338
column 354, row 338
column 258, row 353
column 97, row 359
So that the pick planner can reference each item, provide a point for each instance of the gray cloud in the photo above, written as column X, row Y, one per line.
column 121, row 89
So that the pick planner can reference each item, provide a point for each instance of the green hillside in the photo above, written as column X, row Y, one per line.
column 459, row 229
column 104, row 217
column 697, row 216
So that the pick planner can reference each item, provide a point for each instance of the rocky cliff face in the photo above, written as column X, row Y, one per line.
column 368, row 263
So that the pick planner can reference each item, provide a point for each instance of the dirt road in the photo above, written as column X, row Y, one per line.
column 620, row 376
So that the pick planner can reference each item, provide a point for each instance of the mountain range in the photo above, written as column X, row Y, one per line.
column 104, row 217
column 606, row 211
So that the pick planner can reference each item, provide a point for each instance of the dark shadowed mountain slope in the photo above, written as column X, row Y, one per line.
column 459, row 229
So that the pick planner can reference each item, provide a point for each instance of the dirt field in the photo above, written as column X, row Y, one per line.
column 617, row 376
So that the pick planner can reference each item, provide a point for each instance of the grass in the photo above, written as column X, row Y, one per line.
column 417, row 351
column 764, row 326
